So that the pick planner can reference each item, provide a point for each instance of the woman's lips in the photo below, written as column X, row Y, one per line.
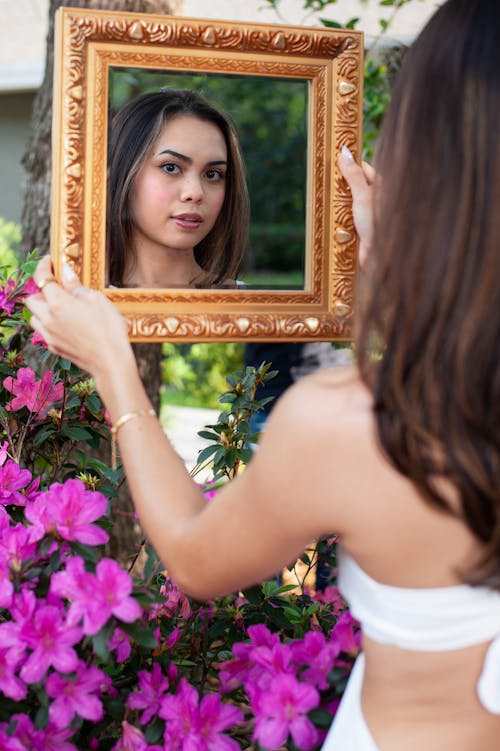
column 188, row 221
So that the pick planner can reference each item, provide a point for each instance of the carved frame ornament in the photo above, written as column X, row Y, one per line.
column 88, row 43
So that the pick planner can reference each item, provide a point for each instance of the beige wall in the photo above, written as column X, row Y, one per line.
column 15, row 113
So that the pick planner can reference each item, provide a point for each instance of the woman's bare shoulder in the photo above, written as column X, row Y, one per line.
column 339, row 390
column 322, row 412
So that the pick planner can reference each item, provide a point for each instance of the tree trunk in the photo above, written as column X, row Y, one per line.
column 36, row 226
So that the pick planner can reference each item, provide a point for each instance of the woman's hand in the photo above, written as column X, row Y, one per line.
column 78, row 323
column 360, row 181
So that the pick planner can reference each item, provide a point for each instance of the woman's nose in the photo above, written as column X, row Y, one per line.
column 192, row 190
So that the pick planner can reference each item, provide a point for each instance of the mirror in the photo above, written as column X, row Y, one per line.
column 294, row 97
column 270, row 118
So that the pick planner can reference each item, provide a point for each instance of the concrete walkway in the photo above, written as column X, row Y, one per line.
column 182, row 425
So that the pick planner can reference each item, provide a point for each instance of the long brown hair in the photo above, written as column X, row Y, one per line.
column 429, row 327
column 134, row 130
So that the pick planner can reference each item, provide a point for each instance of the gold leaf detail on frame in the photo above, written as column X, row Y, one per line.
column 243, row 324
column 208, row 36
column 346, row 88
column 341, row 309
column 279, row 42
column 343, row 235
column 76, row 92
column 136, row 31
column 73, row 251
column 172, row 324
column 75, row 170
column 312, row 324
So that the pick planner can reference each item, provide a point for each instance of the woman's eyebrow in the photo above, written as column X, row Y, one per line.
column 188, row 159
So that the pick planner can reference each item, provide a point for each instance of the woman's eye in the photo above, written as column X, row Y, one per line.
column 214, row 175
column 170, row 168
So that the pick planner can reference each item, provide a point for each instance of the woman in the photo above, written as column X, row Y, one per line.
column 400, row 455
column 178, row 207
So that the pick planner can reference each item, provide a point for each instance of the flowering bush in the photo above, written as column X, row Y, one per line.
column 93, row 656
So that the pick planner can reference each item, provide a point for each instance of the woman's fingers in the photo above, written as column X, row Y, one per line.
column 369, row 172
column 77, row 323
column 43, row 273
column 352, row 172
column 360, row 181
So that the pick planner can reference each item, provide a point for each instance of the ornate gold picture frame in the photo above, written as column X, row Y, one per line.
column 89, row 43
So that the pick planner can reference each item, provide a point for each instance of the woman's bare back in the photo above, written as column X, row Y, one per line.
column 411, row 699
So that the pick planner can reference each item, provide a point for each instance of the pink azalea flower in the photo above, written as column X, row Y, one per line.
column 16, row 546
column 318, row 654
column 30, row 287
column 53, row 738
column 331, row 596
column 133, row 740
column 6, row 586
column 173, row 638
column 4, row 448
column 69, row 509
column 282, row 711
column 12, row 479
column 78, row 586
column 232, row 673
column 51, row 640
column 175, row 603
column 6, row 302
column 10, row 684
column 151, row 688
column 76, row 695
column 95, row 598
column 115, row 586
column 274, row 660
column 37, row 396
column 346, row 634
column 7, row 743
column 120, row 644
column 214, row 718
column 38, row 340
column 198, row 725
column 24, row 731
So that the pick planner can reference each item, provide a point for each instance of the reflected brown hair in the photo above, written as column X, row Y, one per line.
column 134, row 130
column 432, row 309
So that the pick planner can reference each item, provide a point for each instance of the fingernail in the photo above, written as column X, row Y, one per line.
column 347, row 153
column 68, row 273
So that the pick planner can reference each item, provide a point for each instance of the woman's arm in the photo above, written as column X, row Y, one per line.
column 257, row 523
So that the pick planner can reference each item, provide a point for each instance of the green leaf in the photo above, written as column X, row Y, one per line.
column 100, row 644
column 227, row 398
column 76, row 433
column 43, row 435
column 206, row 453
column 115, row 708
column 270, row 587
column 140, row 634
column 320, row 717
column 210, row 436
column 331, row 24
column 352, row 23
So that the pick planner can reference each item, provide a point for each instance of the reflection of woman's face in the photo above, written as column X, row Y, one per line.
column 179, row 191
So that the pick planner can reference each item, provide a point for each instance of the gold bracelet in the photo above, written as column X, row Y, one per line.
column 118, row 424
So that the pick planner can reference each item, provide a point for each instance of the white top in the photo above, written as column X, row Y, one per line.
column 429, row 620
